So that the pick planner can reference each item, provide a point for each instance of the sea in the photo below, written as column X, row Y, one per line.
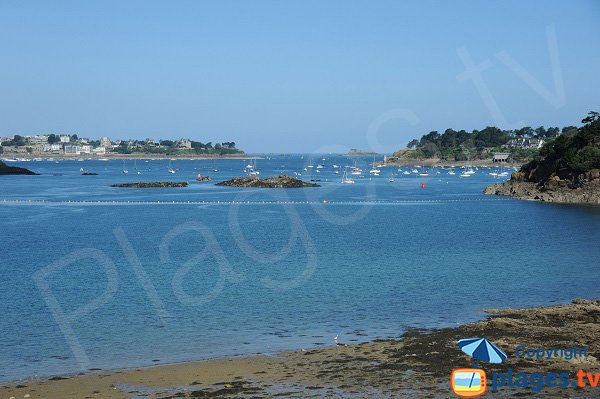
column 96, row 277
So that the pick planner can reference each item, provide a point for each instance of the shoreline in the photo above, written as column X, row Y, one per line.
column 447, row 164
column 419, row 360
column 111, row 157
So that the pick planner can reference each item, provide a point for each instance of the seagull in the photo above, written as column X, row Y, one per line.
column 335, row 339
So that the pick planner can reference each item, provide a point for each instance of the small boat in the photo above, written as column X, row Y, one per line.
column 493, row 174
column 346, row 179
column 203, row 178
column 503, row 174
column 465, row 174
column 170, row 169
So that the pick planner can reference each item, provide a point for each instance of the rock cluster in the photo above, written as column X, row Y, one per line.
column 282, row 181
column 13, row 170
column 582, row 189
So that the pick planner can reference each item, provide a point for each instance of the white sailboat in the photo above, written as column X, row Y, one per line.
column 170, row 169
column 346, row 179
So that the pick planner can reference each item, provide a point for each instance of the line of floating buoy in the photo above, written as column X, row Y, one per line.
column 44, row 202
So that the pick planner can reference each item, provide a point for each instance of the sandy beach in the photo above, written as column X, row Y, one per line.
column 417, row 365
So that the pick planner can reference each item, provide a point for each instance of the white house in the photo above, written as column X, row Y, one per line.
column 72, row 149
column 184, row 143
column 65, row 138
column 105, row 142
column 51, row 147
column 525, row 143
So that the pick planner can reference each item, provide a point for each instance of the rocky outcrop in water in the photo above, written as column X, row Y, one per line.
column 586, row 191
column 282, row 181
column 158, row 184
column 13, row 170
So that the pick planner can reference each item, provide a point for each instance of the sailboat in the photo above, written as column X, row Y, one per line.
column 502, row 173
column 252, row 170
column 125, row 171
column 170, row 170
column 374, row 170
column 346, row 179
column 135, row 167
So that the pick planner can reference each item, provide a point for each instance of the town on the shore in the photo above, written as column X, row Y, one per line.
column 59, row 145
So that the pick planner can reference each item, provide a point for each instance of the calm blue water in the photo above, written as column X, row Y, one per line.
column 199, row 280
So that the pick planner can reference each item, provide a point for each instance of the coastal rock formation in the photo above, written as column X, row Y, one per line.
column 282, row 181
column 13, row 170
column 158, row 184
column 585, row 191
column 567, row 169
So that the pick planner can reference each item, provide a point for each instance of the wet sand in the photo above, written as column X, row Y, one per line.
column 417, row 366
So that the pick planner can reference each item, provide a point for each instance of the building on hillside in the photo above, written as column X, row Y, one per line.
column 39, row 139
column 86, row 149
column 65, row 138
column 51, row 147
column 105, row 142
column 501, row 157
column 183, row 144
column 72, row 149
column 526, row 143
column 99, row 150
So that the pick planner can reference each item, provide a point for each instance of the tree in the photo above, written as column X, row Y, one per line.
column 412, row 144
column 540, row 132
column 53, row 138
column 552, row 132
column 18, row 141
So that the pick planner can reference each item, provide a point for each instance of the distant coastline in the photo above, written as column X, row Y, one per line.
column 113, row 156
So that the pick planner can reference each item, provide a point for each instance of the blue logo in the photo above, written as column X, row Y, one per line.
column 482, row 349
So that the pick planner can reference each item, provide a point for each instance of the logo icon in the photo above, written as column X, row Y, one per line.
column 482, row 349
column 468, row 383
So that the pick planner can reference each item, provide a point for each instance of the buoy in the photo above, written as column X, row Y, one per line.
column 422, row 184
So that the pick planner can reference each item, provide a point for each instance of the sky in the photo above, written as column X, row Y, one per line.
column 295, row 76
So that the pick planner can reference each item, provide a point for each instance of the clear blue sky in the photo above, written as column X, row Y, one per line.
column 287, row 76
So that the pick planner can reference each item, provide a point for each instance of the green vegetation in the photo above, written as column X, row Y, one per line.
column 17, row 141
column 170, row 147
column 481, row 144
column 574, row 152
